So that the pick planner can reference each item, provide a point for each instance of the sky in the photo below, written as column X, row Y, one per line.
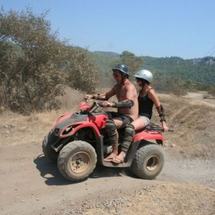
column 182, row 28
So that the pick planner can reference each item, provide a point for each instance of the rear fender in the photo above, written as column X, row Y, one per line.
column 77, row 127
column 149, row 135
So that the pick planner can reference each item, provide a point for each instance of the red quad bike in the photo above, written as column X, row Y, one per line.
column 77, row 141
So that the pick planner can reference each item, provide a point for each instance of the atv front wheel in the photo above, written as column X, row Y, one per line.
column 77, row 160
column 148, row 161
column 48, row 151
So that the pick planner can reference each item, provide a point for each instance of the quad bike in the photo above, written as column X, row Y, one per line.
column 77, row 141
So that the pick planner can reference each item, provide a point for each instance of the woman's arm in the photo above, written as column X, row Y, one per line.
column 153, row 96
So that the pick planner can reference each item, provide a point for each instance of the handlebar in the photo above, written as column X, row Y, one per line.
column 155, row 127
column 159, row 129
column 86, row 99
column 94, row 106
column 170, row 130
column 85, row 107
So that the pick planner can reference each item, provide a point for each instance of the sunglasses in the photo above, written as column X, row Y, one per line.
column 142, row 80
column 115, row 75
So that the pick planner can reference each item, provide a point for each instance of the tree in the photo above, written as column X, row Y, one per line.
column 82, row 72
column 30, row 69
column 133, row 62
column 33, row 59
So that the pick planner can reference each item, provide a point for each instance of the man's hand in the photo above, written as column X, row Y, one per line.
column 106, row 104
column 89, row 96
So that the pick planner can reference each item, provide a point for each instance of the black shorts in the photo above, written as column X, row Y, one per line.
column 124, row 118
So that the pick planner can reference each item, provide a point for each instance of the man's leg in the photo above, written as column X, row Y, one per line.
column 113, row 139
column 111, row 128
column 128, row 136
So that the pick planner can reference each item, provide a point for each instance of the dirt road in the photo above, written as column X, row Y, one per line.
column 29, row 184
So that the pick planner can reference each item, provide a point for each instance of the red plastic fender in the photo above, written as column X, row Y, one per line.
column 148, row 135
column 61, row 118
column 83, row 124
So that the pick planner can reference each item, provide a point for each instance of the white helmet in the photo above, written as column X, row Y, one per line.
column 145, row 75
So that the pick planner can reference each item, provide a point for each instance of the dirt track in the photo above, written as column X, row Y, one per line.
column 32, row 185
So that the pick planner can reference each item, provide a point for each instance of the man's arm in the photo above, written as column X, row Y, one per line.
column 99, row 96
column 123, row 104
column 128, row 102
column 102, row 96
column 111, row 93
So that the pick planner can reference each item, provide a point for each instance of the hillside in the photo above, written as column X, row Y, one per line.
column 31, row 185
column 200, row 70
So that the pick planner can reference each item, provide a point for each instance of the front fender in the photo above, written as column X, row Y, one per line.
column 78, row 127
column 60, row 119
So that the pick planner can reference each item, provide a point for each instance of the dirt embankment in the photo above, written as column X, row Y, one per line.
column 192, row 121
column 29, row 184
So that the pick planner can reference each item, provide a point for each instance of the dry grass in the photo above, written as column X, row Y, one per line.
column 18, row 129
column 193, row 126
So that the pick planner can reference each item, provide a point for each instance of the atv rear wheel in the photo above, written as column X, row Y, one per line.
column 77, row 160
column 148, row 161
column 48, row 151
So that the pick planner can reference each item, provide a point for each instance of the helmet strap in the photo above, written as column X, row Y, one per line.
column 123, row 77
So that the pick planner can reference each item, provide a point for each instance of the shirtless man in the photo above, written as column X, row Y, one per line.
column 127, row 107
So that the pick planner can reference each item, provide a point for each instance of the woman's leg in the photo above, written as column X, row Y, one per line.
column 139, row 123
